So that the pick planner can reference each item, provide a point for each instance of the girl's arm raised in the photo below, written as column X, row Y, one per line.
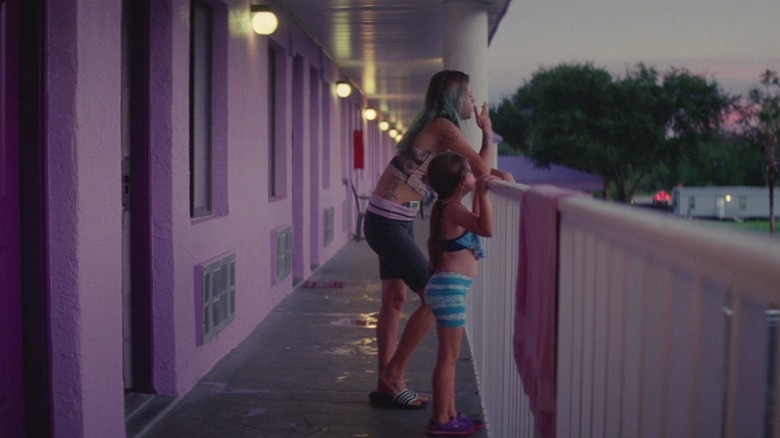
column 482, row 208
column 479, row 219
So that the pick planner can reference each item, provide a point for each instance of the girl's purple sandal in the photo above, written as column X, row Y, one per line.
column 452, row 428
column 476, row 422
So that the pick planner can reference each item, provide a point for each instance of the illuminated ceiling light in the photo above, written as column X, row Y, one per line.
column 369, row 113
column 393, row 133
column 399, row 137
column 343, row 89
column 264, row 21
column 384, row 125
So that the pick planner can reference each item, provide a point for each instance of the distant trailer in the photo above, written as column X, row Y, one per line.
column 734, row 203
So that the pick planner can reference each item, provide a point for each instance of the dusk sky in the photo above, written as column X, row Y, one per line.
column 732, row 41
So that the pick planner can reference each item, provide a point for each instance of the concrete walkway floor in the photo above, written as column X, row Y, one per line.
column 307, row 369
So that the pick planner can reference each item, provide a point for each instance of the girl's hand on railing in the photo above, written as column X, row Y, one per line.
column 481, row 185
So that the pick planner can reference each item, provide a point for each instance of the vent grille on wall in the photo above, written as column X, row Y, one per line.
column 215, row 291
column 282, row 252
column 329, row 224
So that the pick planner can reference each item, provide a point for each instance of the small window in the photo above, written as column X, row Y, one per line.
column 282, row 253
column 346, row 214
column 315, row 131
column 743, row 203
column 216, row 290
column 201, row 61
column 272, row 185
column 326, row 133
column 208, row 109
column 276, row 109
column 330, row 218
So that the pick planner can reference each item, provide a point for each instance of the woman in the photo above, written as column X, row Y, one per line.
column 389, row 220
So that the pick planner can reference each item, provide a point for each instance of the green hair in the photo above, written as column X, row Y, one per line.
column 447, row 91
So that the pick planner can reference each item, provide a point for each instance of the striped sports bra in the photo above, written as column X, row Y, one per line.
column 467, row 240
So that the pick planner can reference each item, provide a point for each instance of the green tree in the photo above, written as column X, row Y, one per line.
column 622, row 129
column 761, row 127
column 637, row 118
column 697, row 108
column 725, row 160
column 510, row 119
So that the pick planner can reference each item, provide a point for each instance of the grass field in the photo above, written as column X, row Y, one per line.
column 758, row 226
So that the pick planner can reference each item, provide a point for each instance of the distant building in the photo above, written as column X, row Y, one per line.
column 740, row 202
column 526, row 172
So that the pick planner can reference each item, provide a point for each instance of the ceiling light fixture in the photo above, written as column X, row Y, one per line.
column 264, row 21
column 343, row 89
column 370, row 113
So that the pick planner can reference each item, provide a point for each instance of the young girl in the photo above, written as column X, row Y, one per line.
column 454, row 249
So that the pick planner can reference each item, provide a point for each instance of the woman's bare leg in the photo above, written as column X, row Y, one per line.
column 393, row 359
column 393, row 296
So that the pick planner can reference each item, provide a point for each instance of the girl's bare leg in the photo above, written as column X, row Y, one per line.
column 444, row 373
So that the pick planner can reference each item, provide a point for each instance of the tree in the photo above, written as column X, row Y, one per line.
column 760, row 124
column 621, row 129
column 638, row 116
column 697, row 108
column 725, row 160
column 511, row 121
column 567, row 114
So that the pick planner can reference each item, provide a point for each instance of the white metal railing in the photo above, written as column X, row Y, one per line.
column 665, row 327
column 490, row 322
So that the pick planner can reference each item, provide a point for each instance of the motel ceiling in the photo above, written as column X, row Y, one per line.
column 389, row 49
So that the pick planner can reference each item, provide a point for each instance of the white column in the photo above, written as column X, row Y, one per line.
column 466, row 49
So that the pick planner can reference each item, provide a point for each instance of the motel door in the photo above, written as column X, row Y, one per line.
column 11, row 376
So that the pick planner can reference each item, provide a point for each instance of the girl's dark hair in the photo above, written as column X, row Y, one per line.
column 445, row 173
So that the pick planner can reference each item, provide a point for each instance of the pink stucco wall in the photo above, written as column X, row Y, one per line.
column 245, row 229
column 84, row 217
column 84, row 91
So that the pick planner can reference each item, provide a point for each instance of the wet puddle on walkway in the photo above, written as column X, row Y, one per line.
column 363, row 346
column 366, row 321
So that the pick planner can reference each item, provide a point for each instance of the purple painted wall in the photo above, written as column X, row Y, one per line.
column 83, row 144
column 249, row 215
column 11, row 353
column 84, row 137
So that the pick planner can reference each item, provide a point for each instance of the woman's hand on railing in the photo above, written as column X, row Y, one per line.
column 505, row 176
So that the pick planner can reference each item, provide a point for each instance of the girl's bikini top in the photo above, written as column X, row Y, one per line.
column 468, row 240
column 410, row 165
